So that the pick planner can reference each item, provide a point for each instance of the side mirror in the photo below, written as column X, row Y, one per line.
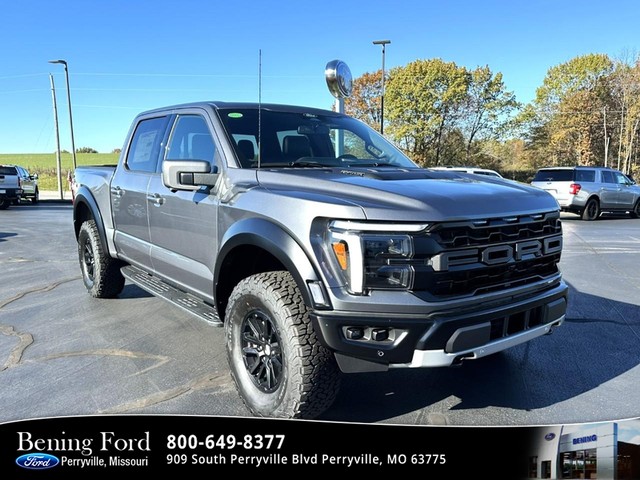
column 34, row 176
column 188, row 174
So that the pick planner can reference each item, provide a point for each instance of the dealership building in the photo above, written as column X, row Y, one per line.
column 590, row 451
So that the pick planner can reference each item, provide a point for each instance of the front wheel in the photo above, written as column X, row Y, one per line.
column 591, row 210
column 36, row 197
column 277, row 362
column 635, row 213
column 100, row 272
column 4, row 203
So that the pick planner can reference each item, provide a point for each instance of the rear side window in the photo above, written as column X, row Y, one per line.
column 607, row 177
column 554, row 176
column 585, row 175
column 145, row 145
column 8, row 171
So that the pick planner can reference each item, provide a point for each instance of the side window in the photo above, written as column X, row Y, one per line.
column 191, row 140
column 607, row 177
column 246, row 148
column 620, row 178
column 145, row 145
column 585, row 175
column 352, row 145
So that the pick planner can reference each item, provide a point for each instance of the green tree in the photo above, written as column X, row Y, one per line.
column 364, row 102
column 487, row 106
column 626, row 112
column 86, row 150
column 570, row 106
column 423, row 103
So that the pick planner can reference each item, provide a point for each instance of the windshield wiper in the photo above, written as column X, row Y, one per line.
column 373, row 164
column 307, row 163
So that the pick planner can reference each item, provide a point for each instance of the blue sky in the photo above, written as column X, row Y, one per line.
column 126, row 56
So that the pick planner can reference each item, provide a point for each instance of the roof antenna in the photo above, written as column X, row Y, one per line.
column 259, row 106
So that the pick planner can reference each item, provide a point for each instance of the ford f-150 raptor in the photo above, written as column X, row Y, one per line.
column 318, row 245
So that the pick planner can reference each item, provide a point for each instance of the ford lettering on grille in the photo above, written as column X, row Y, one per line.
column 497, row 254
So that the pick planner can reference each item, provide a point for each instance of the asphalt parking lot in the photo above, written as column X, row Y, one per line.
column 65, row 353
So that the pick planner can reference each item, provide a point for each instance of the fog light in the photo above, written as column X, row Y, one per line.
column 379, row 334
column 354, row 333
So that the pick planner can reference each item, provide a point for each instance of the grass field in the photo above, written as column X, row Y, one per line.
column 44, row 164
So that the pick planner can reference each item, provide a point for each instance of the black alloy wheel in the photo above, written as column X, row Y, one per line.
column 262, row 351
column 88, row 260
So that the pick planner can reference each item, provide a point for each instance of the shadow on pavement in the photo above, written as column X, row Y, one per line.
column 599, row 341
column 4, row 235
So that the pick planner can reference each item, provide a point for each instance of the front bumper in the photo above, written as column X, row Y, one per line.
column 369, row 342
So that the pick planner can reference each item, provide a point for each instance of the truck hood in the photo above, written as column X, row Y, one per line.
column 409, row 194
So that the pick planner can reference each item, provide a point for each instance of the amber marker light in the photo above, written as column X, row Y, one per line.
column 340, row 249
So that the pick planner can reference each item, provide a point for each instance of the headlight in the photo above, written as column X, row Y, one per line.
column 373, row 256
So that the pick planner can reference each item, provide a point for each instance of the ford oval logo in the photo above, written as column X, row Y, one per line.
column 550, row 436
column 37, row 461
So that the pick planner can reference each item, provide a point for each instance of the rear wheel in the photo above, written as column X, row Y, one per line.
column 279, row 366
column 591, row 210
column 100, row 273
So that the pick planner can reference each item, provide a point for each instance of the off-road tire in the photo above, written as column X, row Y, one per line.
column 591, row 210
column 100, row 273
column 267, row 329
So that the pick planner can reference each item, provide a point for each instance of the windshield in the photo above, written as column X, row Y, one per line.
column 296, row 139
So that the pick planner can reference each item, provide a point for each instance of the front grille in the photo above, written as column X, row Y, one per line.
column 481, row 256
column 496, row 231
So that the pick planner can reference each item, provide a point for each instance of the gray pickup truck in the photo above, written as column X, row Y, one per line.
column 318, row 246
column 10, row 187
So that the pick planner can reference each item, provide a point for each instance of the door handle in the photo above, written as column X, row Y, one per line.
column 117, row 192
column 156, row 199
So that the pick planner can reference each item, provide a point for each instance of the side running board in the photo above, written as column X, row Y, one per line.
column 181, row 299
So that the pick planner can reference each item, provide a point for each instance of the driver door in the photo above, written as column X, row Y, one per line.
column 183, row 224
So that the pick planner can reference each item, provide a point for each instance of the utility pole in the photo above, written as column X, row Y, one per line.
column 606, row 137
column 66, row 76
column 55, row 122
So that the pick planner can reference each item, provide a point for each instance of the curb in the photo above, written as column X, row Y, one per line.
column 52, row 196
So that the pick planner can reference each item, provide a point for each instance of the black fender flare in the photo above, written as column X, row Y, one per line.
column 85, row 197
column 272, row 238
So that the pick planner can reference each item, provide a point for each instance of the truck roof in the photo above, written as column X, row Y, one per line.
column 245, row 105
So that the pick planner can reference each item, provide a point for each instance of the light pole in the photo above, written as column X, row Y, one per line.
column 384, row 43
column 73, row 143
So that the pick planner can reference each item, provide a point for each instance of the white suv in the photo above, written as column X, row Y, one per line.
column 473, row 170
column 589, row 191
